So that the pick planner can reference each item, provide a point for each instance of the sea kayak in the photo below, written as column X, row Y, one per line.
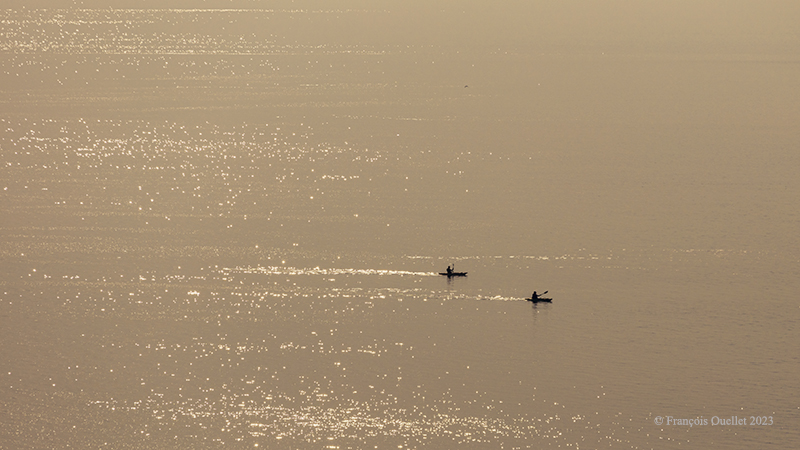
column 453, row 274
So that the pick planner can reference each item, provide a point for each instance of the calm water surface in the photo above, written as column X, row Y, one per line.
column 224, row 227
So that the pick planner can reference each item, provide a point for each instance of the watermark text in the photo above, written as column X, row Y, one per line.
column 730, row 421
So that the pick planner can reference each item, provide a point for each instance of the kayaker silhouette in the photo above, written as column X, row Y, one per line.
column 536, row 297
column 449, row 270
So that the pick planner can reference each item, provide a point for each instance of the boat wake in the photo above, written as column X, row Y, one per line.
column 281, row 270
column 500, row 298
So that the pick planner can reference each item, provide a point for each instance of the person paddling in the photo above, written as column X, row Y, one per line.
column 536, row 297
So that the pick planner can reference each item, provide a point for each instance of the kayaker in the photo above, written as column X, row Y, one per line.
column 449, row 270
column 534, row 296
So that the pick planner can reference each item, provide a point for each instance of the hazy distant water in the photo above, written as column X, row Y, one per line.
column 223, row 227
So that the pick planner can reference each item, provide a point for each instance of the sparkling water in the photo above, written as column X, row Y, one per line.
column 224, row 227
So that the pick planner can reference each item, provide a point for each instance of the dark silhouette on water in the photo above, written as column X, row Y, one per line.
column 536, row 298
column 450, row 273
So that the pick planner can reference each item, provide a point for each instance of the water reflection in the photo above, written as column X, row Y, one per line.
column 219, row 227
column 249, row 391
column 179, row 32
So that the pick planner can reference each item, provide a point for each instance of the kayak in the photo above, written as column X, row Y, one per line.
column 453, row 274
column 540, row 299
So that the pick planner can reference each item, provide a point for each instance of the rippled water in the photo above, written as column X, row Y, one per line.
column 224, row 227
